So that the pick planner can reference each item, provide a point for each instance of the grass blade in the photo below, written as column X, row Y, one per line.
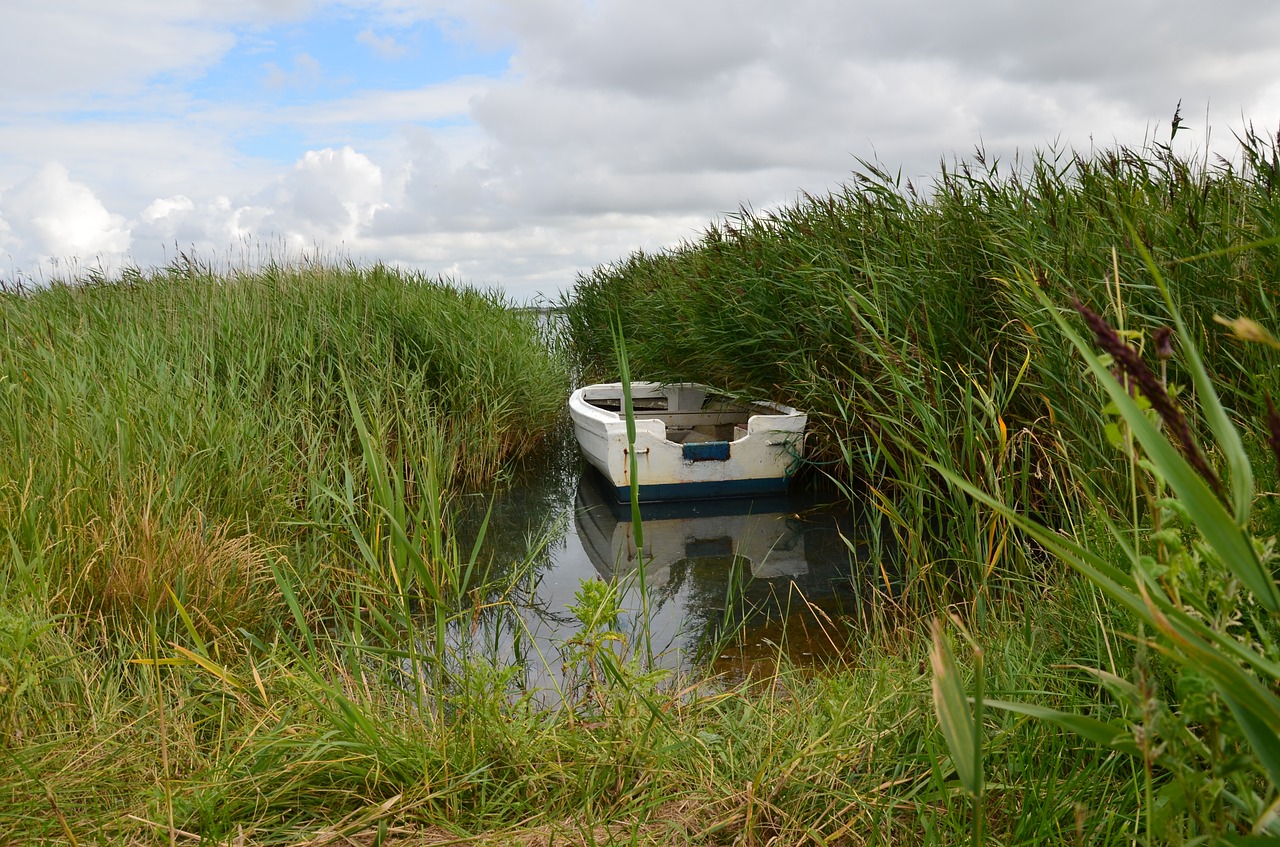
column 954, row 715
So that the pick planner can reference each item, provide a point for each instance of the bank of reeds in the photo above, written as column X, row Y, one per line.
column 232, row 608
column 1198, row 575
column 896, row 317
column 182, row 430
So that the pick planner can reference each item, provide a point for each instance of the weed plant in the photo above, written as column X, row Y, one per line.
column 1201, row 584
column 184, row 430
column 922, row 332
column 343, row 689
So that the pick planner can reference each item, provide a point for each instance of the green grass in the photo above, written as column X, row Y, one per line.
column 923, row 333
column 901, row 322
column 234, row 604
column 328, row 743
column 189, row 430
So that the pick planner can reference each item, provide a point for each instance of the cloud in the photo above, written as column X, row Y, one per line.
column 666, row 48
column 208, row 228
column 329, row 196
column 306, row 73
column 384, row 45
column 65, row 48
column 50, row 216
column 614, row 126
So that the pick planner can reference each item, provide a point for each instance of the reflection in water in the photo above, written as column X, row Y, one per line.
column 764, row 570
column 761, row 532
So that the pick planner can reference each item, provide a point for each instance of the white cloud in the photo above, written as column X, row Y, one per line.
column 617, row 124
column 207, row 228
column 450, row 100
column 662, row 48
column 167, row 208
column 384, row 45
column 51, row 216
column 61, row 48
column 330, row 195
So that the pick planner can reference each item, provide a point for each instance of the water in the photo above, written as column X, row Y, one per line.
column 727, row 583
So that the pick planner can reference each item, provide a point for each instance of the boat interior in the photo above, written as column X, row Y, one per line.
column 691, row 415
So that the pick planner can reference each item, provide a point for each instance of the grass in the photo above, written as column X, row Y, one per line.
column 234, row 603
column 323, row 745
column 189, row 430
column 922, row 333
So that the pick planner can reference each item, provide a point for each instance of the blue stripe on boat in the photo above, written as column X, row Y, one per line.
column 706, row 451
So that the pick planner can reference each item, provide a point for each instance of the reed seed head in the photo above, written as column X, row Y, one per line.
column 1135, row 370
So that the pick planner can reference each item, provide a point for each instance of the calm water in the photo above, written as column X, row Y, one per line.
column 741, row 576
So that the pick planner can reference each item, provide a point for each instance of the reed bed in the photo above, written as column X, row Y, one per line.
column 234, row 608
column 927, row 333
column 321, row 741
column 904, row 322
column 182, row 430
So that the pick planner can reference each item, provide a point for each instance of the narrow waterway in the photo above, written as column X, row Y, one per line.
column 726, row 583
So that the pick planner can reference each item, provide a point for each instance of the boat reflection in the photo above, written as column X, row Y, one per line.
column 759, row 532
column 730, row 583
column 758, row 569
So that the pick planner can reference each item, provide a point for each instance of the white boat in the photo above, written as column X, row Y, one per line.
column 690, row 441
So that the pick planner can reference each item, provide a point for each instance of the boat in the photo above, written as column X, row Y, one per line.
column 691, row 442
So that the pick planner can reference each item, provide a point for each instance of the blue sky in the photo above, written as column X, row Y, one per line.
column 318, row 59
column 517, row 143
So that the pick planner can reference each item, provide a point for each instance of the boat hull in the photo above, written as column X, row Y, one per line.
column 689, row 443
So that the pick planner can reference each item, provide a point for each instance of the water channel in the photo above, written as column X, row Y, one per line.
column 729, row 583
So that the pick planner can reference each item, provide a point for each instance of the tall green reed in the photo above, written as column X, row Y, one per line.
column 182, row 416
column 1198, row 574
column 894, row 316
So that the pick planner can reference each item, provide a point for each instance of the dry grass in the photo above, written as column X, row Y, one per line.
column 672, row 822
column 137, row 562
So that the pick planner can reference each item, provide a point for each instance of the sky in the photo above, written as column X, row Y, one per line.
column 515, row 144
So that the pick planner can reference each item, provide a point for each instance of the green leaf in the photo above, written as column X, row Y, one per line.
column 1228, row 539
column 624, row 373
column 1122, row 689
column 291, row 600
column 187, row 623
column 1262, row 738
column 1114, row 582
column 1114, row 437
column 954, row 715
column 1223, row 430
column 1112, row 736
column 1232, row 544
column 1236, row 685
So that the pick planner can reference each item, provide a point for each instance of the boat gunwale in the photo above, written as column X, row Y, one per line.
column 579, row 401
